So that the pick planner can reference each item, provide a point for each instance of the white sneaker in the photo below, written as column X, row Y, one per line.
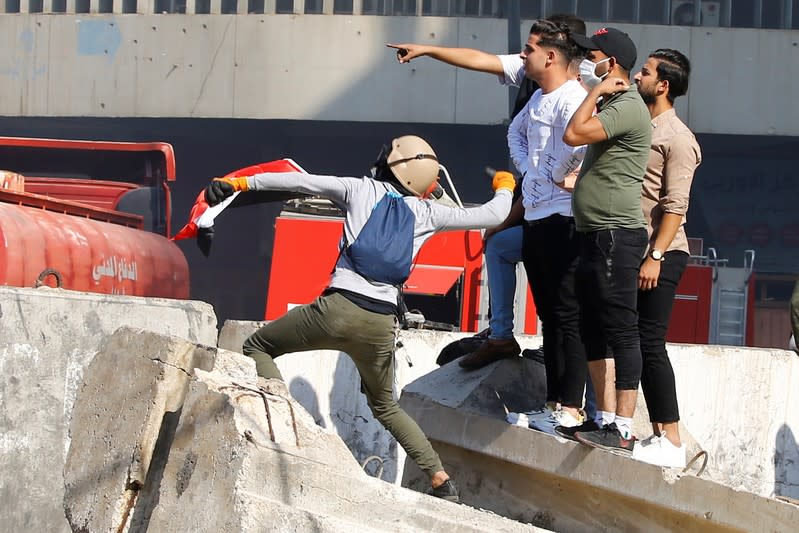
column 525, row 419
column 652, row 439
column 659, row 451
column 559, row 417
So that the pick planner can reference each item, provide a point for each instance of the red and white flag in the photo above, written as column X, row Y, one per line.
column 202, row 216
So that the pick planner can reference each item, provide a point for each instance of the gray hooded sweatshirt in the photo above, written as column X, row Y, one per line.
column 357, row 197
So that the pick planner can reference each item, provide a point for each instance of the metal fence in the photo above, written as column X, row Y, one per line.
column 769, row 14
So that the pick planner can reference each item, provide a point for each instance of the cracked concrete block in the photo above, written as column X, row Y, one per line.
column 224, row 423
column 133, row 384
column 231, row 470
column 235, row 332
column 327, row 385
column 47, row 338
column 235, row 365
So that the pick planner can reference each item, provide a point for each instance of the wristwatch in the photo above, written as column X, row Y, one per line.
column 656, row 255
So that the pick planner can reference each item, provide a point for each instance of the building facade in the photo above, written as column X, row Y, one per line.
column 233, row 82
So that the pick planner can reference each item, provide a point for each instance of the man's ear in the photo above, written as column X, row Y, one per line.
column 664, row 88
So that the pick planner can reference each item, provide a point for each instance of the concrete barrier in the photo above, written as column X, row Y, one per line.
column 558, row 484
column 282, row 472
column 734, row 402
column 327, row 385
column 740, row 404
column 133, row 389
column 47, row 338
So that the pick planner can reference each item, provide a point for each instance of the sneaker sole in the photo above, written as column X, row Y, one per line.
column 612, row 449
column 570, row 436
column 450, row 498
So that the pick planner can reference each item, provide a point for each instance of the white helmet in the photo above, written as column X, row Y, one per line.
column 413, row 162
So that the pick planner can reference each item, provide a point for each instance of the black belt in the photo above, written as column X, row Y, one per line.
column 551, row 219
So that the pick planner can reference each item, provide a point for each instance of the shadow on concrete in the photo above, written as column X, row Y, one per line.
column 302, row 390
column 370, row 443
column 149, row 496
column 786, row 463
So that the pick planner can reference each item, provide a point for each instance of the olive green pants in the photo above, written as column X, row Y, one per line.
column 332, row 322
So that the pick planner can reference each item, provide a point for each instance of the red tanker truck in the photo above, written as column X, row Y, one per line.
column 89, row 216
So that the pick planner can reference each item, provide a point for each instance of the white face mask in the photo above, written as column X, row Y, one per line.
column 588, row 73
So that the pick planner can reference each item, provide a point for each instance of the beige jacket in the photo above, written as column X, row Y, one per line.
column 673, row 158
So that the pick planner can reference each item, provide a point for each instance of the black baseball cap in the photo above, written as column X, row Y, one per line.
column 613, row 42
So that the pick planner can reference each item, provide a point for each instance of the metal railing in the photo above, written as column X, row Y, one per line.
column 776, row 14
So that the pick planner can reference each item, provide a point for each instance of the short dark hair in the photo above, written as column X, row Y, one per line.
column 574, row 23
column 675, row 68
column 556, row 36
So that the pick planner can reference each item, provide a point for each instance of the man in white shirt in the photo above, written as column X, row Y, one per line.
column 549, row 250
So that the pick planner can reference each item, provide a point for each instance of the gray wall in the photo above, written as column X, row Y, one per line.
column 325, row 91
column 320, row 67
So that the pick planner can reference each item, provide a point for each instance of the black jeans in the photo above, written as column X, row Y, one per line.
column 654, row 312
column 607, row 290
column 549, row 252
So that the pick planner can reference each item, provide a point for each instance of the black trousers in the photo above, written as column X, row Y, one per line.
column 654, row 313
column 549, row 252
column 607, row 291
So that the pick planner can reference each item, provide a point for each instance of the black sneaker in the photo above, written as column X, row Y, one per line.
column 535, row 355
column 608, row 438
column 568, row 432
column 446, row 491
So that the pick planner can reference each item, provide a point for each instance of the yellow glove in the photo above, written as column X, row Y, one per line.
column 221, row 188
column 239, row 184
column 503, row 180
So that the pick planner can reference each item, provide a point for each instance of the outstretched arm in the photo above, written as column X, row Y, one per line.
column 488, row 215
column 337, row 189
column 467, row 58
column 514, row 218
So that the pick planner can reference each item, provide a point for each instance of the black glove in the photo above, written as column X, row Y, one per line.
column 217, row 191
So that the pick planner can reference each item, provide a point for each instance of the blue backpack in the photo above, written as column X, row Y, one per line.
column 383, row 250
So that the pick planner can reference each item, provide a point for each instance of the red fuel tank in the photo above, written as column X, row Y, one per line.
column 90, row 255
